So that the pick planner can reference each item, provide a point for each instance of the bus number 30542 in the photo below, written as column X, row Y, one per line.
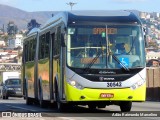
column 114, row 84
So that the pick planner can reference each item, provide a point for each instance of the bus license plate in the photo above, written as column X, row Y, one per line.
column 106, row 95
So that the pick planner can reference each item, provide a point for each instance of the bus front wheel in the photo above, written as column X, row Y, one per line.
column 62, row 107
column 92, row 106
column 125, row 106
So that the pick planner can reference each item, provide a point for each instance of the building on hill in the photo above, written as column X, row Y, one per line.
column 2, row 43
column 15, row 42
column 152, row 55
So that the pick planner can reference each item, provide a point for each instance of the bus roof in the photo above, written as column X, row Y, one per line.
column 100, row 13
column 33, row 32
column 119, row 16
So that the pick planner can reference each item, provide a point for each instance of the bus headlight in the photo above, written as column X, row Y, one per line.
column 75, row 84
column 137, row 84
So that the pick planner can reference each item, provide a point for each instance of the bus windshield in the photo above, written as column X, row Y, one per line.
column 105, row 46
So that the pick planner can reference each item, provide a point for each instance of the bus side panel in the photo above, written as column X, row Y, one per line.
column 43, row 73
column 29, row 75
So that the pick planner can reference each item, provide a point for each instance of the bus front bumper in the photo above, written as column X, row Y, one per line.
column 114, row 94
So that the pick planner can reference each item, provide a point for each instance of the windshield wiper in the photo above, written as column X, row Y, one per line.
column 122, row 64
column 93, row 61
column 95, row 58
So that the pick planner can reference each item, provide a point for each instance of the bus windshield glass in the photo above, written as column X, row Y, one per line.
column 103, row 45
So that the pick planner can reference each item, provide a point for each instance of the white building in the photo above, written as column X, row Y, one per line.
column 152, row 55
column 143, row 15
column 17, row 41
column 2, row 43
column 156, row 14
column 3, row 53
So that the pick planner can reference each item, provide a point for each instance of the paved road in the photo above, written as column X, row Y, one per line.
column 139, row 111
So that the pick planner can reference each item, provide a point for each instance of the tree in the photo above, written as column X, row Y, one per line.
column 153, row 44
column 33, row 24
column 12, row 28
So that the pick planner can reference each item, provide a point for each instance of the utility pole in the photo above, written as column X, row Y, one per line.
column 3, row 29
column 71, row 4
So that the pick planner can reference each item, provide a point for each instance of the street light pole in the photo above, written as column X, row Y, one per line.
column 71, row 4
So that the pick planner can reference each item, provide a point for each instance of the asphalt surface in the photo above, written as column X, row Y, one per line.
column 17, row 108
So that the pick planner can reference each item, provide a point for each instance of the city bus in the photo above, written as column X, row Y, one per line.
column 90, row 58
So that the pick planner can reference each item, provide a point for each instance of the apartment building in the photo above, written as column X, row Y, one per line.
column 15, row 42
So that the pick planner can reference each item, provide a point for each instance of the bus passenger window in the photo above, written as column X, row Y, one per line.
column 26, row 52
column 29, row 51
column 33, row 47
column 57, row 42
column 47, row 44
column 42, row 47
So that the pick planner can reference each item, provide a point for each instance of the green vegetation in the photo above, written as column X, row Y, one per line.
column 4, row 37
column 1, row 78
column 153, row 44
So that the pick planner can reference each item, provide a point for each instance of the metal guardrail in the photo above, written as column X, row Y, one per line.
column 10, row 67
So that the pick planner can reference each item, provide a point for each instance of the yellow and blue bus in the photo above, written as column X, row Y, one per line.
column 94, row 58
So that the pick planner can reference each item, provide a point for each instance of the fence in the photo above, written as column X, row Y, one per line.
column 153, row 84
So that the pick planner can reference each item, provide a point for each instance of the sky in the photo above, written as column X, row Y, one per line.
column 61, row 5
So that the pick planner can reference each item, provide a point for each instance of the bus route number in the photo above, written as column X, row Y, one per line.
column 114, row 84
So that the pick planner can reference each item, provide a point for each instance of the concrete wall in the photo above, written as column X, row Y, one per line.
column 153, row 84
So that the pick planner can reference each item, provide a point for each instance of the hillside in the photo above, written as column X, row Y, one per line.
column 20, row 17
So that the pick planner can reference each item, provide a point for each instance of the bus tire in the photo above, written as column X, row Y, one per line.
column 60, row 106
column 41, row 101
column 126, row 106
column 92, row 106
column 101, row 105
column 28, row 100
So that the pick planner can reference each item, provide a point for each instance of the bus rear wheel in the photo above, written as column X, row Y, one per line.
column 62, row 107
column 29, row 101
column 126, row 106
column 42, row 102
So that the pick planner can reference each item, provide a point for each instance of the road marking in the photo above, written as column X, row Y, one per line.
column 63, row 118
column 29, row 109
column 22, row 108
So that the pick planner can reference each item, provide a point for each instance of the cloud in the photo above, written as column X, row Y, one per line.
column 127, row 1
column 9, row 2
